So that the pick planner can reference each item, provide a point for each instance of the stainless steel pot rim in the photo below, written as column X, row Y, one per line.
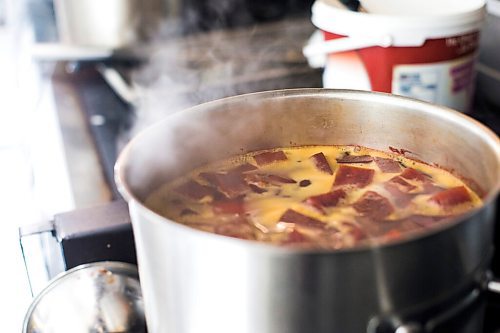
column 113, row 266
column 444, row 113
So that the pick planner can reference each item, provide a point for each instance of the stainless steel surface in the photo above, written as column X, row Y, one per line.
column 111, row 24
column 128, row 93
column 488, row 67
column 97, row 297
column 494, row 286
column 195, row 281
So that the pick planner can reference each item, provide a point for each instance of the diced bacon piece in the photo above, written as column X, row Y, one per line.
column 236, row 229
column 355, row 159
column 373, row 205
column 299, row 219
column 247, row 167
column 451, row 197
column 234, row 206
column 349, row 175
column 387, row 165
column 280, row 179
column 410, row 173
column 270, row 157
column 194, row 190
column 329, row 199
column 321, row 163
column 230, row 184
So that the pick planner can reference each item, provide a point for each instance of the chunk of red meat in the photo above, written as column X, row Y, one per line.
column 230, row 184
column 401, row 184
column 321, row 163
column 431, row 188
column 297, row 218
column 247, row 167
column 237, row 229
column 231, row 206
column 355, row 159
column 280, row 179
column 381, row 227
column 410, row 173
column 268, row 179
column 329, row 199
column 451, row 197
column 270, row 157
column 349, row 175
column 399, row 188
column 399, row 194
column 387, row 165
column 194, row 190
column 373, row 205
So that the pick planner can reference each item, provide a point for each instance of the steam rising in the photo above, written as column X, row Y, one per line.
column 188, row 71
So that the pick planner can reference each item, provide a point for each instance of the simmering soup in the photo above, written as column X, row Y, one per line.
column 319, row 197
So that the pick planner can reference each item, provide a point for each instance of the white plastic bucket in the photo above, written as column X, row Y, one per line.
column 424, row 49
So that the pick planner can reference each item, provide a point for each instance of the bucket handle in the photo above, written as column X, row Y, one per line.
column 313, row 49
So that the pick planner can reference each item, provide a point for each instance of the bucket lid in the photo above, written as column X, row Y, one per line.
column 400, row 21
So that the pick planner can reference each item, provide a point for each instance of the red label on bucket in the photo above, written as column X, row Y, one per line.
column 439, row 71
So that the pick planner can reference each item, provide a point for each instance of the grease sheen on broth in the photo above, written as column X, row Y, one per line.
column 325, row 197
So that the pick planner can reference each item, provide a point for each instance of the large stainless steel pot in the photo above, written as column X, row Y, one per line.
column 200, row 282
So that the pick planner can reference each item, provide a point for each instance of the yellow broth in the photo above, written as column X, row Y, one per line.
column 326, row 197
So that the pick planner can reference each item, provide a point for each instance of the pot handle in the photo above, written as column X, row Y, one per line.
column 494, row 286
column 345, row 44
column 317, row 48
column 395, row 325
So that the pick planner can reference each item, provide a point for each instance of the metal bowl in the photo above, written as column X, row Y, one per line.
column 96, row 297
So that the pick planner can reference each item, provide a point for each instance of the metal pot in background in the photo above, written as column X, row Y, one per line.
column 194, row 281
column 111, row 24
column 96, row 297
